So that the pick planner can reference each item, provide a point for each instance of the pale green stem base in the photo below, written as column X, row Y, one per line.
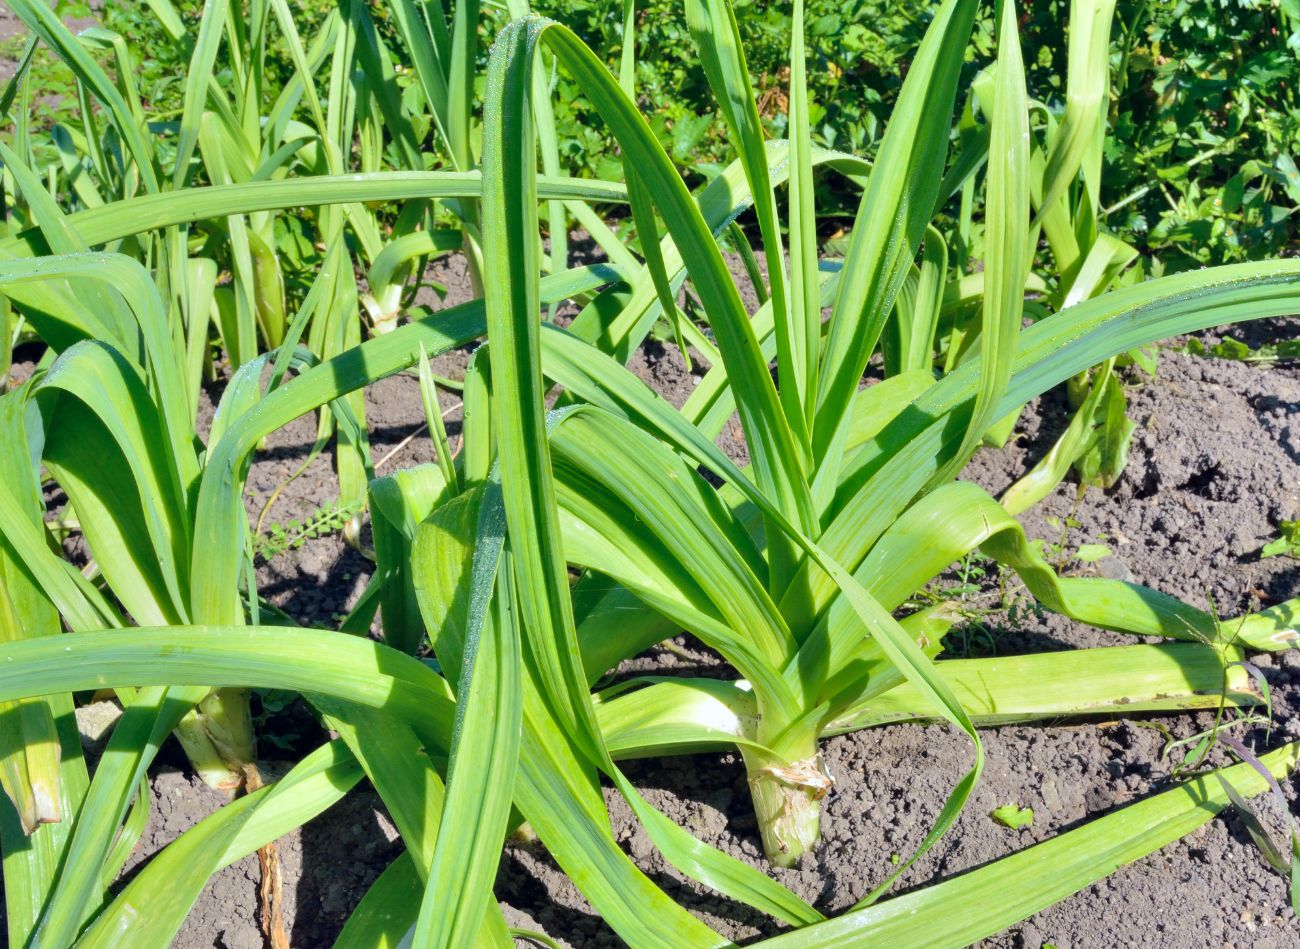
column 217, row 736
column 787, row 803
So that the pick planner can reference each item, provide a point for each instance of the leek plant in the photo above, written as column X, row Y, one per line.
column 249, row 136
column 245, row 130
column 407, row 107
column 940, row 304
column 792, row 569
column 106, row 418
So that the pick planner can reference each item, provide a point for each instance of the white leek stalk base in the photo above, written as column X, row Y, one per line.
column 787, row 802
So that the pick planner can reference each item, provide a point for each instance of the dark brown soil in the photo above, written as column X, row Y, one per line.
column 342, row 853
column 1211, row 472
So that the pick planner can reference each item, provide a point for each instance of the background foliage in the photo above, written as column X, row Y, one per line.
column 1203, row 129
column 1204, row 100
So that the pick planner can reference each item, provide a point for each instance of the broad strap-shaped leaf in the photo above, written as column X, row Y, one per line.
column 717, row 38
column 33, row 861
column 886, row 475
column 30, row 761
column 560, row 794
column 1006, row 236
column 720, row 202
column 805, row 307
column 29, row 744
column 141, row 334
column 603, row 533
column 653, row 716
column 43, row 22
column 144, row 725
column 42, row 770
column 949, row 523
column 106, row 446
column 152, row 212
column 202, row 60
column 1086, row 428
column 1106, row 681
column 893, row 215
column 387, row 913
column 485, row 741
column 683, row 512
column 153, row 906
column 773, row 447
column 970, row 907
column 398, row 504
column 349, row 668
column 908, row 341
column 667, row 715
column 1087, row 90
column 219, row 517
column 560, row 799
column 22, row 511
column 77, row 300
column 405, row 768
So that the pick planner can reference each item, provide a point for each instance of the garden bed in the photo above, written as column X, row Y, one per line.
column 154, row 526
column 1211, row 472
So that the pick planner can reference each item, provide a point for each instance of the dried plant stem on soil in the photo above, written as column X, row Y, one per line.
column 270, row 887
